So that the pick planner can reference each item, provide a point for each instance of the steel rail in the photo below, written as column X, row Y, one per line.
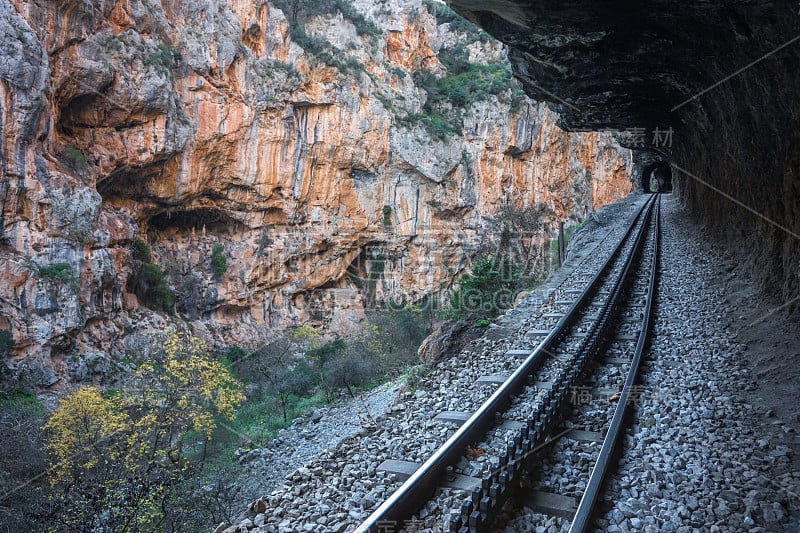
column 478, row 512
column 584, row 513
column 418, row 488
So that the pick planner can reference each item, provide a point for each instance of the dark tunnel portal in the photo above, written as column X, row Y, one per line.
column 657, row 178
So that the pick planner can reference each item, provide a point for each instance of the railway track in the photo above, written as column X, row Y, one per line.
column 504, row 447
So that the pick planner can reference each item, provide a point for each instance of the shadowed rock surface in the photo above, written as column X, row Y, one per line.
column 722, row 75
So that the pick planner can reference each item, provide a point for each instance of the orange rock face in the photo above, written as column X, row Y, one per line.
column 192, row 124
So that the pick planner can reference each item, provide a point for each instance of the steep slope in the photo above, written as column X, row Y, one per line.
column 334, row 158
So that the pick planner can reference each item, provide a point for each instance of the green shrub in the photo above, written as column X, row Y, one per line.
column 464, row 83
column 385, row 101
column 306, row 336
column 57, row 271
column 233, row 355
column 6, row 344
column 482, row 323
column 277, row 373
column 75, row 157
column 61, row 272
column 323, row 51
column 291, row 382
column 437, row 126
column 400, row 332
column 321, row 354
column 364, row 27
column 348, row 370
column 398, row 71
column 455, row 59
column 219, row 263
column 148, row 282
column 152, row 288
column 442, row 128
column 267, row 68
column 488, row 290
column 387, row 215
column 141, row 251
column 298, row 12
column 21, row 399
column 163, row 59
column 260, row 418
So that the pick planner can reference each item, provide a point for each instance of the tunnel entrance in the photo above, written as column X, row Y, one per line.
column 657, row 178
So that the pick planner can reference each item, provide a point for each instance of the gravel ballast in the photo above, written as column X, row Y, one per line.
column 699, row 456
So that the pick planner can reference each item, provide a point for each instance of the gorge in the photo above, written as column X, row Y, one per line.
column 331, row 152
column 262, row 262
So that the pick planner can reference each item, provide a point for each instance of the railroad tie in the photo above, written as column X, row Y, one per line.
column 672, row 363
column 580, row 435
column 499, row 379
column 404, row 470
column 459, row 417
column 616, row 361
column 537, row 332
column 492, row 379
column 552, row 504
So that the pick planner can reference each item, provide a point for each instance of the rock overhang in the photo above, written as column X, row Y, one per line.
column 625, row 64
column 710, row 87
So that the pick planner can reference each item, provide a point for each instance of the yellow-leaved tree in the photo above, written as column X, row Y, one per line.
column 118, row 457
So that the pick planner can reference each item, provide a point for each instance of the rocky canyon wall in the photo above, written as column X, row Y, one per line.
column 303, row 151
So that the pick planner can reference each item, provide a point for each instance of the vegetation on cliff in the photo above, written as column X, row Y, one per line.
column 490, row 288
column 219, row 263
column 294, row 372
column 148, row 282
column 298, row 12
column 503, row 268
column 449, row 96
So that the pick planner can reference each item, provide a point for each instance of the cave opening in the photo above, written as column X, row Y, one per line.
column 130, row 183
column 657, row 178
column 79, row 113
column 187, row 220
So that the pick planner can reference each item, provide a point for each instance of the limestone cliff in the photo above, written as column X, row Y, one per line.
column 313, row 147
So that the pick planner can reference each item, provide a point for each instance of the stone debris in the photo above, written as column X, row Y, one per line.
column 339, row 486
column 697, row 459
